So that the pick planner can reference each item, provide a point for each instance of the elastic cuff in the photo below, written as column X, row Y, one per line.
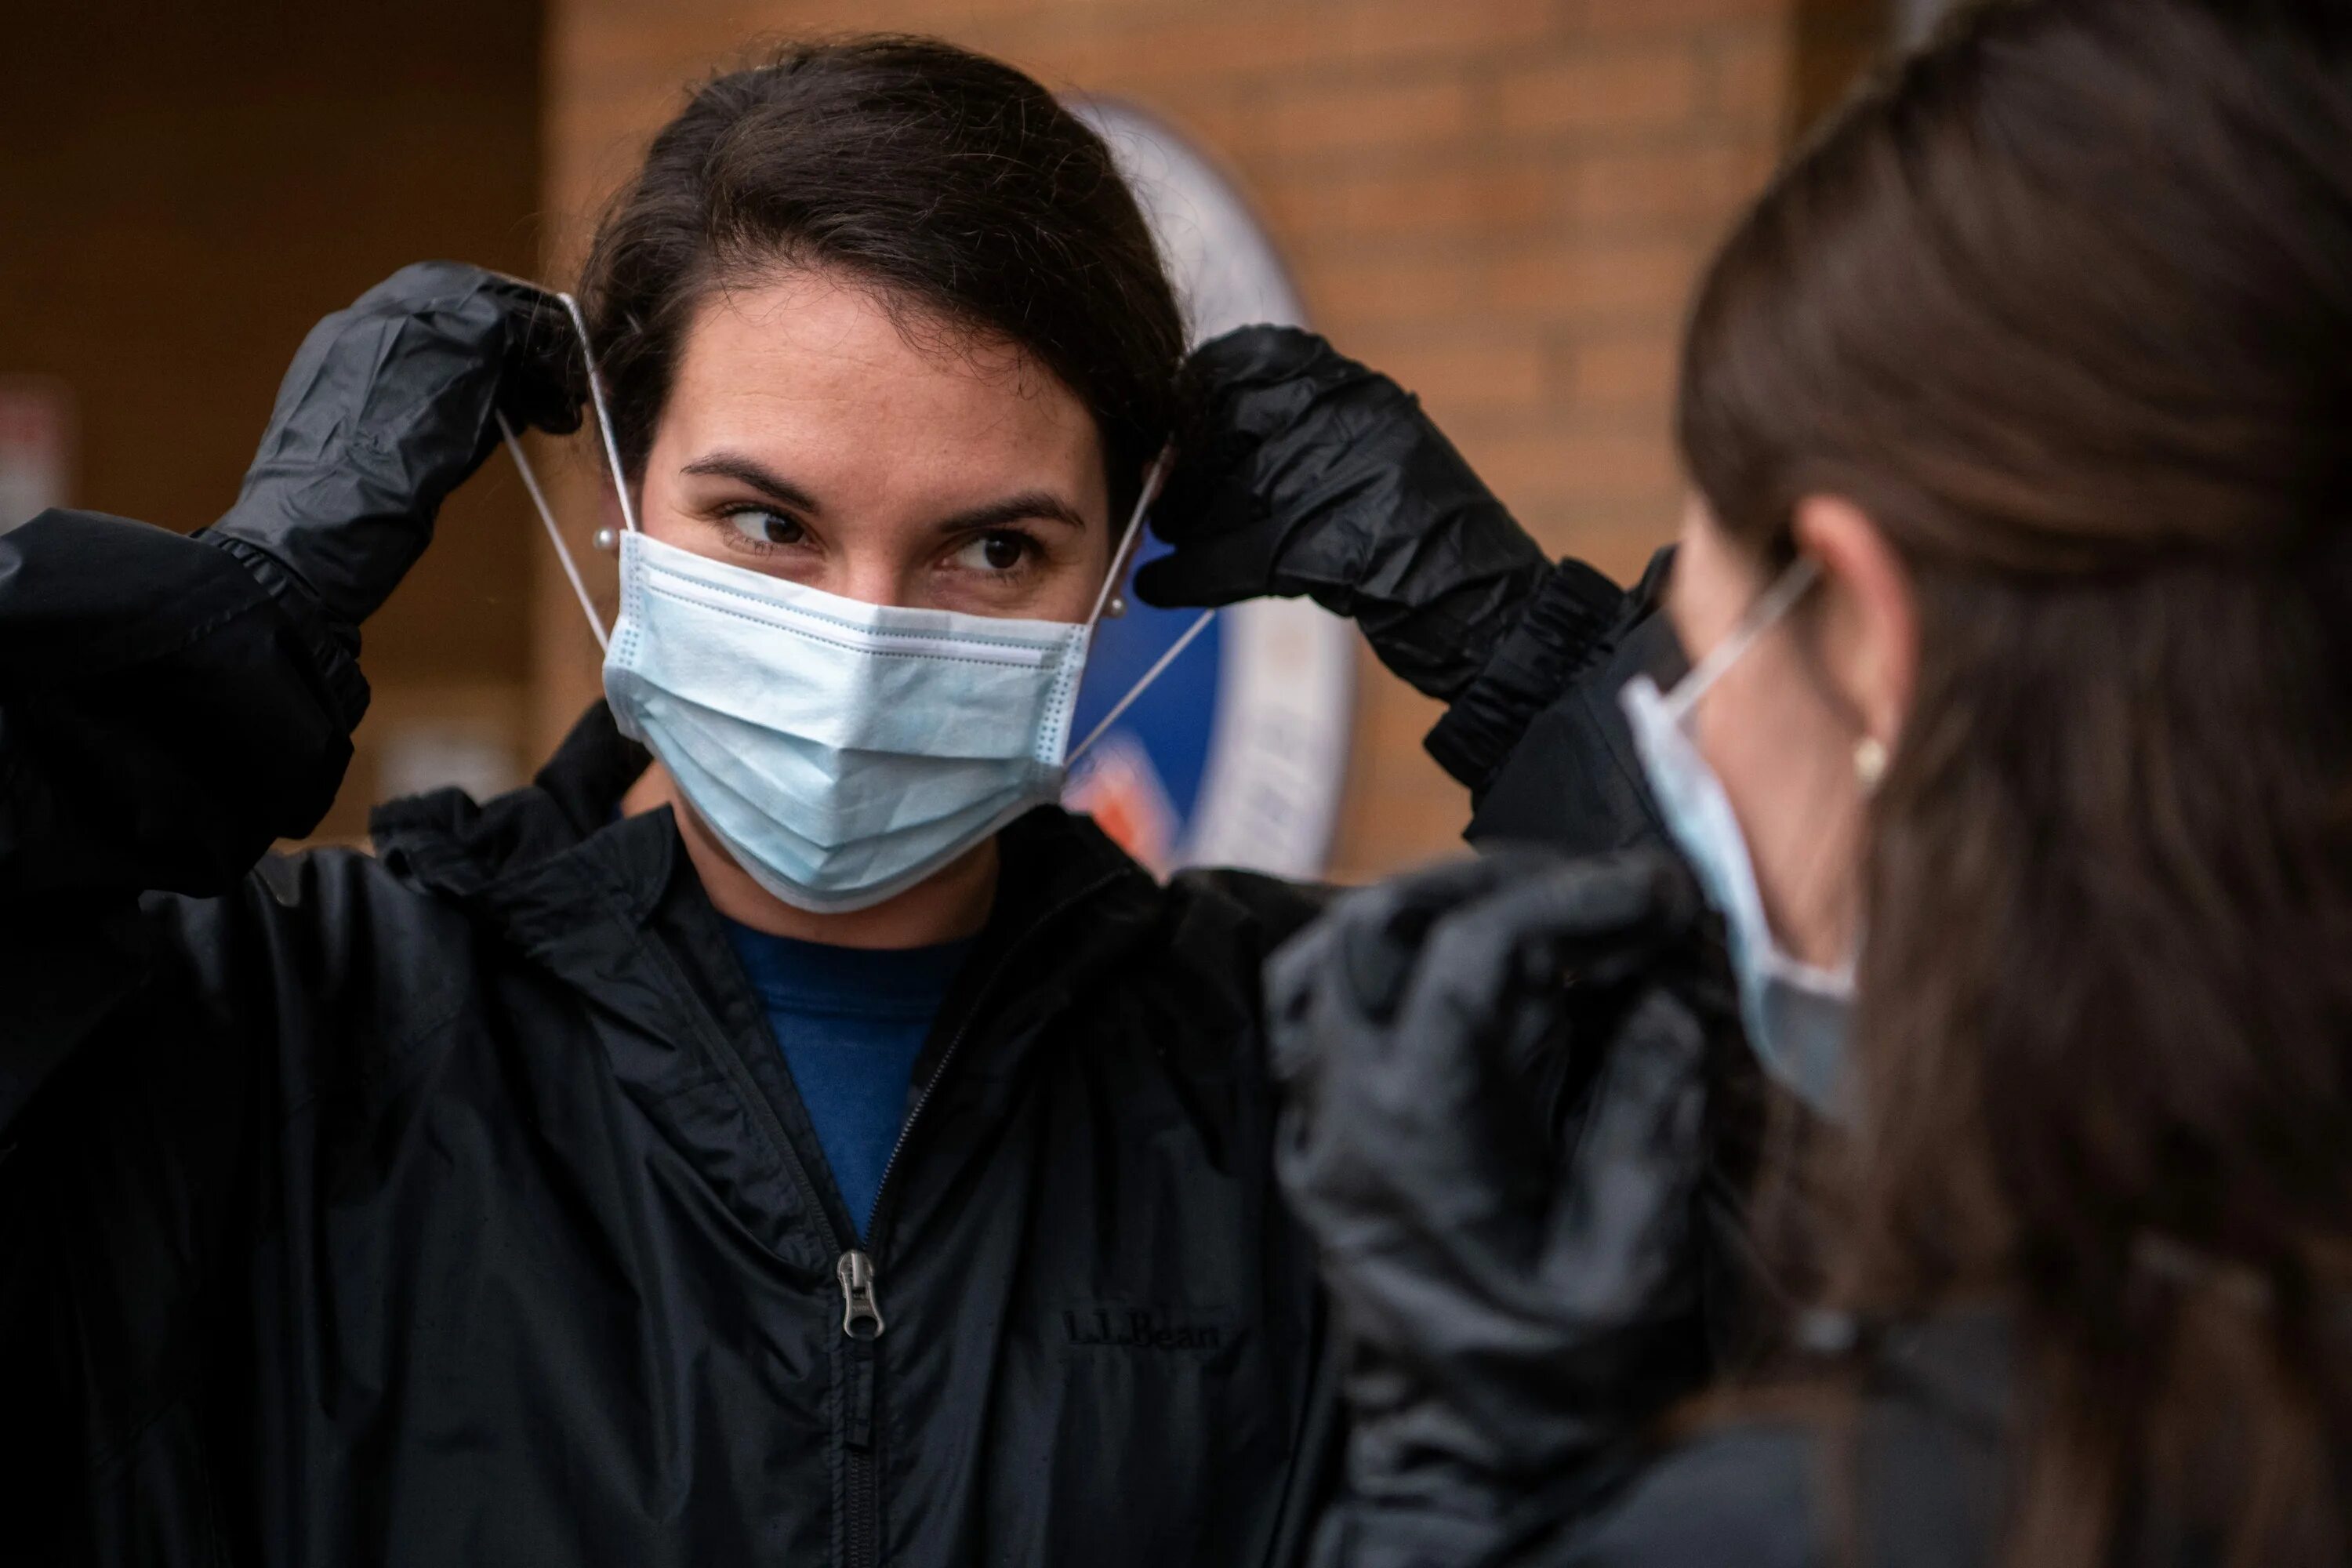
column 1564, row 628
column 333, row 647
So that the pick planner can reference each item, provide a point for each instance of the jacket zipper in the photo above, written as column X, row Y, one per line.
column 861, row 1309
column 861, row 1321
column 861, row 1315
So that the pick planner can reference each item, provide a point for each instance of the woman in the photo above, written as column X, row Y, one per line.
column 800, row 1144
column 2019, row 581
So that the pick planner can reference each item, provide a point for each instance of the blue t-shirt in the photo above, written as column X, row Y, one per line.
column 850, row 1021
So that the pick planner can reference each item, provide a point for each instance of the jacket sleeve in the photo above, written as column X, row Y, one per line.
column 169, row 706
column 161, row 1195
column 1567, row 625
column 1740, row 1493
column 1539, row 737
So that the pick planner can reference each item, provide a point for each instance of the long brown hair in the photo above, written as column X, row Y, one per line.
column 2066, row 306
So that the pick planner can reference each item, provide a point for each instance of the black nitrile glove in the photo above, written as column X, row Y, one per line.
column 388, row 407
column 1300, row 471
column 1498, row 1135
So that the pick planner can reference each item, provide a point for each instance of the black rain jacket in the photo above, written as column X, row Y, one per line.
column 1539, row 737
column 1903, row 1463
column 454, row 1204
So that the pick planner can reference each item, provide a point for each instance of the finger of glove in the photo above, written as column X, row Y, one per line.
column 1400, row 1148
column 1619, row 1232
column 1528, row 1338
column 1485, row 985
column 1214, row 445
column 414, row 364
column 520, row 333
column 1248, row 552
column 1239, row 391
column 1314, row 1019
column 1443, row 1091
column 1382, row 946
column 1379, row 508
column 1368, row 947
column 421, row 286
column 1256, row 355
column 1598, row 1336
column 1209, row 570
column 1354, row 477
column 1518, row 939
column 1325, row 989
column 545, row 370
column 1254, row 380
column 1333, row 989
column 1207, row 489
column 1333, row 992
column 1367, row 941
column 1294, row 977
column 1534, row 1353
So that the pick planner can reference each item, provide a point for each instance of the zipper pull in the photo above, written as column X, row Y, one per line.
column 855, row 1272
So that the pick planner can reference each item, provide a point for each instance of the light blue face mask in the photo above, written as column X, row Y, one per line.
column 1798, row 1014
column 842, row 751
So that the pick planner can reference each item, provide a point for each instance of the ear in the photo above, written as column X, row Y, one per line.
column 1866, row 612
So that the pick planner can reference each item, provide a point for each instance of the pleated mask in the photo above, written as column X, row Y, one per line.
column 842, row 751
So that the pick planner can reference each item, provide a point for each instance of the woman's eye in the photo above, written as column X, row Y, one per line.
column 764, row 527
column 995, row 553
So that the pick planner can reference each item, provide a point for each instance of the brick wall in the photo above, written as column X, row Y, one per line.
column 1502, row 203
column 184, row 190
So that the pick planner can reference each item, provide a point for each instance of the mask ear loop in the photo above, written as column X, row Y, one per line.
column 1151, row 483
column 603, row 414
column 612, row 461
column 1775, row 602
column 1153, row 478
column 1141, row 686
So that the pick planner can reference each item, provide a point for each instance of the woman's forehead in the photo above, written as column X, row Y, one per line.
column 817, row 377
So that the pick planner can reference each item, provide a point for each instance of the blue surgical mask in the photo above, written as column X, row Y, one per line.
column 1798, row 1014
column 842, row 751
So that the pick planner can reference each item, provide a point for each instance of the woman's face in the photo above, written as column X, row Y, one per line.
column 808, row 437
column 1789, row 722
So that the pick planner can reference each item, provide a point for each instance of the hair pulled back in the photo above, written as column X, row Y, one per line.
column 2066, row 307
column 957, row 186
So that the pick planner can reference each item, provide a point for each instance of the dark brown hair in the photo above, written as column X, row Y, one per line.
column 954, row 183
column 2066, row 306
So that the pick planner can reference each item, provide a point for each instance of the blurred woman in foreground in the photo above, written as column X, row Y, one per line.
column 2017, row 757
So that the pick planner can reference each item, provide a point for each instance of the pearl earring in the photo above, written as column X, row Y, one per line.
column 1116, row 607
column 607, row 541
column 1869, row 761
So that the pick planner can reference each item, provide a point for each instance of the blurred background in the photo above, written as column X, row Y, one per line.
column 1502, row 203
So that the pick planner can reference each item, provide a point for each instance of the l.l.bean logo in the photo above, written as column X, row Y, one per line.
column 1139, row 1329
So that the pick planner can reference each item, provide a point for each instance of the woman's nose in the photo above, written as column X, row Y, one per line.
column 877, row 577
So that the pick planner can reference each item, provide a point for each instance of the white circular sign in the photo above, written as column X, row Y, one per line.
column 1242, row 762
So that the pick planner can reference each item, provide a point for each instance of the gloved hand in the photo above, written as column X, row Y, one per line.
column 1496, row 1133
column 1300, row 471
column 387, row 408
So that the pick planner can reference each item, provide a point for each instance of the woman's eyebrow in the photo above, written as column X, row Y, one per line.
column 1029, row 504
column 744, row 471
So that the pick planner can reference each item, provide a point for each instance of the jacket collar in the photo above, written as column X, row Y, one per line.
column 609, row 907
column 542, row 858
column 446, row 843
